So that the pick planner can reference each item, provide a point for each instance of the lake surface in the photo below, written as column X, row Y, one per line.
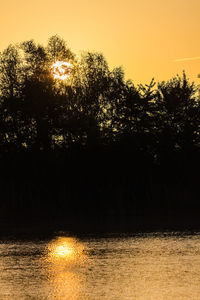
column 146, row 266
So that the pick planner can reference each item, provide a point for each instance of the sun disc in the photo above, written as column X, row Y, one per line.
column 61, row 70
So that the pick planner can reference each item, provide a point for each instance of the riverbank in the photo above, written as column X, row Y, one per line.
column 97, row 225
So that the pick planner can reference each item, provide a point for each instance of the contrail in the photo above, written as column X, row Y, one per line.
column 186, row 58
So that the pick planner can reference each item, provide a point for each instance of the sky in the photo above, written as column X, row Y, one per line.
column 148, row 38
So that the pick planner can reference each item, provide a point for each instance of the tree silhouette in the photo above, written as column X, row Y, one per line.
column 94, row 131
column 11, row 78
column 180, row 116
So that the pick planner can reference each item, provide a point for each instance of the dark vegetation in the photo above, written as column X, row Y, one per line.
column 94, row 147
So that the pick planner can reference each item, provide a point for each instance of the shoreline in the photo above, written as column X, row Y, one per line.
column 93, row 227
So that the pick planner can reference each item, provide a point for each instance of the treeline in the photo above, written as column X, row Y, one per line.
column 94, row 129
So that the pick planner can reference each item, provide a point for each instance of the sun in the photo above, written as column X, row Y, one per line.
column 61, row 70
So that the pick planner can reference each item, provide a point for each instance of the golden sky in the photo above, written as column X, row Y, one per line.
column 146, row 37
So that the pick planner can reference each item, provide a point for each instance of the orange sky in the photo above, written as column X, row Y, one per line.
column 144, row 36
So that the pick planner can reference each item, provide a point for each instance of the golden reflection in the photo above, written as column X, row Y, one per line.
column 66, row 248
column 65, row 258
column 61, row 70
column 63, row 251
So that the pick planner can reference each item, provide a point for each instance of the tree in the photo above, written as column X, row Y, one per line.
column 43, row 99
column 11, row 80
column 177, row 122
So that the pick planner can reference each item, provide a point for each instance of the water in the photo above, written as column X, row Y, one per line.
column 151, row 266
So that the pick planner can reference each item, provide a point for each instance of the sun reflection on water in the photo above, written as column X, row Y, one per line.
column 66, row 248
column 63, row 251
column 65, row 257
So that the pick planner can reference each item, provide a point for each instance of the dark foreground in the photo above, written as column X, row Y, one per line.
column 96, row 225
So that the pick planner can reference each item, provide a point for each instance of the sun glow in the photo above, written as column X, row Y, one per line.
column 64, row 248
column 61, row 70
column 63, row 251
column 64, row 256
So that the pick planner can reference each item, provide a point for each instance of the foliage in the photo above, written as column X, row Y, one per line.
column 96, row 108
